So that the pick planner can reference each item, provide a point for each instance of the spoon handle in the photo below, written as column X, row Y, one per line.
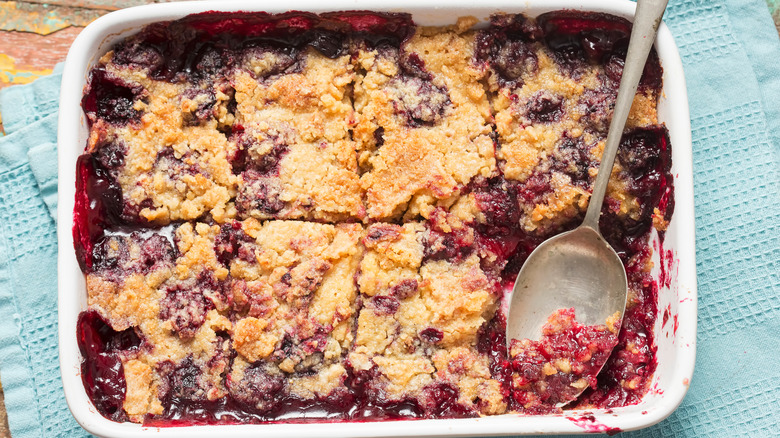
column 646, row 21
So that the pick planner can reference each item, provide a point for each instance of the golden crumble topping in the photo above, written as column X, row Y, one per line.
column 423, row 123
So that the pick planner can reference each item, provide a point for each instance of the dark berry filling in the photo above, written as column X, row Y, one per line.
column 259, row 193
column 258, row 388
column 417, row 99
column 110, row 98
column 205, row 109
column 232, row 242
column 259, row 155
column 385, row 304
column 507, row 46
column 553, row 371
column 575, row 37
column 114, row 257
column 186, row 308
column 431, row 335
column 543, row 108
column 102, row 370
column 200, row 49
column 651, row 185
column 169, row 164
column 404, row 289
column 453, row 246
column 98, row 206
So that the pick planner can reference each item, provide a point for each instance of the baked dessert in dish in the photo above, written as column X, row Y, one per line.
column 304, row 217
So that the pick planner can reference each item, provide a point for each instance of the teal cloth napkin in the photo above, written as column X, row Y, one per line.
column 730, row 51
column 29, row 361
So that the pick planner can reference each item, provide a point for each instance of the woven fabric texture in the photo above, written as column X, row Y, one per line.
column 29, row 360
column 729, row 50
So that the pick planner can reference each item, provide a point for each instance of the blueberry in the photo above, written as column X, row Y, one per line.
column 259, row 389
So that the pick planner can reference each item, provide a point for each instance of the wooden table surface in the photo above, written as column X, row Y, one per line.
column 36, row 34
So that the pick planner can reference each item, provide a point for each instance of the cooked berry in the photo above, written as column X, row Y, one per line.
column 115, row 257
column 590, row 36
column 264, row 157
column 442, row 399
column 204, row 110
column 111, row 98
column 507, row 45
column 383, row 232
column 404, row 289
column 175, row 167
column 111, row 155
column 575, row 160
column 543, row 108
column 180, row 382
column 329, row 43
column 639, row 152
column 259, row 193
column 497, row 200
column 275, row 59
column 139, row 54
column 209, row 60
column 385, row 304
column 431, row 335
column 232, row 242
column 259, row 389
column 186, row 309
column 514, row 59
column 597, row 105
column 419, row 101
column 454, row 245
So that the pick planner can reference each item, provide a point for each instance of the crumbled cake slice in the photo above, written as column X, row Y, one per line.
column 422, row 122
column 171, row 297
column 294, row 300
column 552, row 110
column 292, row 150
column 417, row 328
column 230, row 307
column 161, row 142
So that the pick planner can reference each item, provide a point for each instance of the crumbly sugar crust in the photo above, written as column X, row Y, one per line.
column 423, row 123
column 330, row 220
column 305, row 118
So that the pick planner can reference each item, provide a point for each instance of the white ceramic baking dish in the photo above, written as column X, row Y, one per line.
column 675, row 333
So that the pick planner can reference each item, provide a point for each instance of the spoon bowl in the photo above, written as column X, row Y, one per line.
column 576, row 269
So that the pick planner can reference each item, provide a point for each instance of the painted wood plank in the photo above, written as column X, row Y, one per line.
column 109, row 5
column 4, row 432
column 25, row 56
column 42, row 18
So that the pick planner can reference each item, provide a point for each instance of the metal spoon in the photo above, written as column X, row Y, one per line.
column 579, row 269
